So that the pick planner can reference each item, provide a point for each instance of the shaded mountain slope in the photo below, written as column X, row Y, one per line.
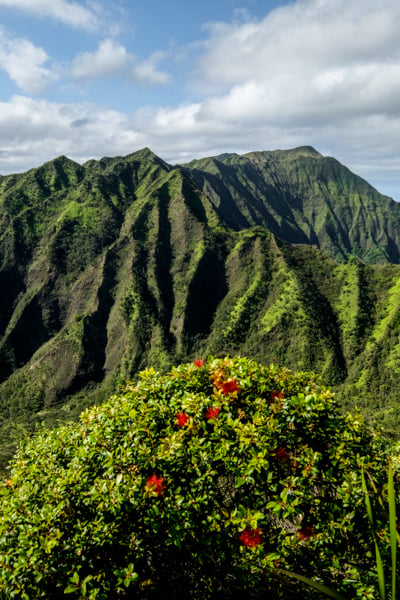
column 122, row 263
column 303, row 197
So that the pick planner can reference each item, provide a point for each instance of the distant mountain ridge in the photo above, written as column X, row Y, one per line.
column 127, row 262
column 304, row 198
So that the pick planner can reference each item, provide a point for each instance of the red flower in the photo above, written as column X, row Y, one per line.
column 276, row 395
column 212, row 412
column 305, row 532
column 181, row 419
column 251, row 537
column 282, row 454
column 155, row 484
column 199, row 363
column 228, row 387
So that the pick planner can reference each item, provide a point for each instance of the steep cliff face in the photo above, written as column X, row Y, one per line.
column 122, row 263
column 303, row 197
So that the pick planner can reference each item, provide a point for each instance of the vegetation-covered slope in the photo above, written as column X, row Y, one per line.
column 303, row 197
column 121, row 263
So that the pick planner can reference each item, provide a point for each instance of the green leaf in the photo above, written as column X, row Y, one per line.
column 75, row 578
column 378, row 558
column 392, row 526
column 314, row 584
column 70, row 589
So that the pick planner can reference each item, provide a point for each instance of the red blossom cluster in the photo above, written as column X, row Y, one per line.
column 282, row 454
column 155, row 484
column 227, row 386
column 199, row 363
column 305, row 532
column 251, row 537
column 276, row 395
column 181, row 419
column 212, row 412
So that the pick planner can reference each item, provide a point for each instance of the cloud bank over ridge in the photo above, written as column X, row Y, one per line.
column 319, row 72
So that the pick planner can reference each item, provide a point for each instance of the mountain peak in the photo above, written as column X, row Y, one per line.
column 304, row 151
column 291, row 154
column 143, row 153
column 148, row 155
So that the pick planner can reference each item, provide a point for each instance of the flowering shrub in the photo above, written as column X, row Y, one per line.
column 251, row 537
column 182, row 419
column 212, row 412
column 230, row 386
column 155, row 485
column 202, row 483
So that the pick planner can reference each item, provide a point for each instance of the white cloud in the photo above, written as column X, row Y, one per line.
column 147, row 74
column 23, row 62
column 111, row 59
column 312, row 55
column 34, row 131
column 73, row 14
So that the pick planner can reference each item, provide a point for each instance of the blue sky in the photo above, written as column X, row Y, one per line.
column 108, row 77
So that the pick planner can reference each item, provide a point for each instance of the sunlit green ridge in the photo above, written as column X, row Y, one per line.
column 110, row 266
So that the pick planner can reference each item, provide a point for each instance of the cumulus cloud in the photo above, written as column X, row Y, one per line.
column 23, row 62
column 111, row 59
column 73, row 14
column 147, row 73
column 34, row 131
column 309, row 66
column 312, row 59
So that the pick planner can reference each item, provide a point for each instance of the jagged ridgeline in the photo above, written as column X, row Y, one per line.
column 110, row 266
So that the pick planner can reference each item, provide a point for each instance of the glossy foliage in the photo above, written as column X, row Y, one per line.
column 206, row 482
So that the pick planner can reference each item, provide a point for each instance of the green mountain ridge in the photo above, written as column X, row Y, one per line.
column 125, row 262
column 303, row 197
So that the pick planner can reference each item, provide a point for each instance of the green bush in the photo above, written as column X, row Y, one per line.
column 203, row 483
